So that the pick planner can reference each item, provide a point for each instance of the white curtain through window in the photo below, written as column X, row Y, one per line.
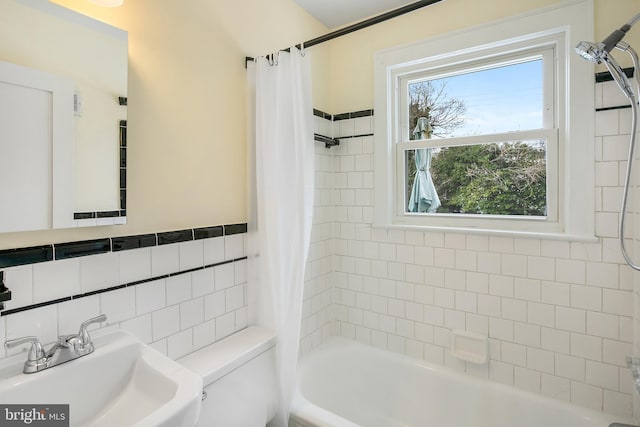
column 281, row 174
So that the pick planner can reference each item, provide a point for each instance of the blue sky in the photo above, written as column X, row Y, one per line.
column 500, row 99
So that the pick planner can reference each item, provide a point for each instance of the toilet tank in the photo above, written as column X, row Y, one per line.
column 239, row 379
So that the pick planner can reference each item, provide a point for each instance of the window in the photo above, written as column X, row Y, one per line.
column 485, row 136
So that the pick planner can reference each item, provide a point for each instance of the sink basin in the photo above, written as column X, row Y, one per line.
column 122, row 383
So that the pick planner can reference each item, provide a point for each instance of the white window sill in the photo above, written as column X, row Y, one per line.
column 490, row 232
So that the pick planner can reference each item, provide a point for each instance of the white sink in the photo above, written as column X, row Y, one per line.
column 122, row 383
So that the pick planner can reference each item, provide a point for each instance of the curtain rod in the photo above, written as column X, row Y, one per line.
column 362, row 24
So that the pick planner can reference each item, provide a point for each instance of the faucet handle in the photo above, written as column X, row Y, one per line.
column 83, row 334
column 35, row 354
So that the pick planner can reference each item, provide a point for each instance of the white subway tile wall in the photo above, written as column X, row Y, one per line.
column 317, row 312
column 176, row 314
column 558, row 314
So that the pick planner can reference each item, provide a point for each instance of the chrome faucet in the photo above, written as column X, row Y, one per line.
column 68, row 347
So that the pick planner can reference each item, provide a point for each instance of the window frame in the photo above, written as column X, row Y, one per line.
column 549, row 33
column 546, row 50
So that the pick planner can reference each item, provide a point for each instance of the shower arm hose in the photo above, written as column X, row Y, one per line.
column 632, row 144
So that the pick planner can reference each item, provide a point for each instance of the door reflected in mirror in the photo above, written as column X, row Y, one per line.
column 50, row 39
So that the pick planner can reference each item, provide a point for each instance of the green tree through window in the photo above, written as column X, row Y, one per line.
column 492, row 179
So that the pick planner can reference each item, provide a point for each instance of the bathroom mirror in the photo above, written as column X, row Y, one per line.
column 92, row 56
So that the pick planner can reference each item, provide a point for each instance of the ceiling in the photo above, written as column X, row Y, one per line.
column 336, row 13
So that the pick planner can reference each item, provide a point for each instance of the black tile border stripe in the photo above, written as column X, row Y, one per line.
column 34, row 306
column 342, row 116
column 123, row 167
column 170, row 237
column 133, row 242
column 22, row 256
column 36, row 254
column 97, row 214
column 355, row 136
column 618, row 107
column 361, row 113
column 84, row 215
column 352, row 115
column 84, row 248
column 605, row 76
column 322, row 114
column 107, row 214
column 207, row 232
column 115, row 288
column 235, row 229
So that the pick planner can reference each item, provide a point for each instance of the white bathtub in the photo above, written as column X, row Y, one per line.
column 347, row 384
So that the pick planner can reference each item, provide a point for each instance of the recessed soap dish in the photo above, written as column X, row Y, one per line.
column 469, row 346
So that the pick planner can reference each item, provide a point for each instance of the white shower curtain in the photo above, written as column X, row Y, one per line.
column 281, row 160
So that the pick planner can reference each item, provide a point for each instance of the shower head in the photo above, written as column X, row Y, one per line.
column 591, row 51
column 597, row 52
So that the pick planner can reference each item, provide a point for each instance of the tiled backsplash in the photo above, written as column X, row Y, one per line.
column 174, row 293
column 558, row 314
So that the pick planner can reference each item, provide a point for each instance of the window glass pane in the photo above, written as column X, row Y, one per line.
column 506, row 178
column 494, row 100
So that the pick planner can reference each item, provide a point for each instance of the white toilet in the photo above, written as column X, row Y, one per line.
column 239, row 379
